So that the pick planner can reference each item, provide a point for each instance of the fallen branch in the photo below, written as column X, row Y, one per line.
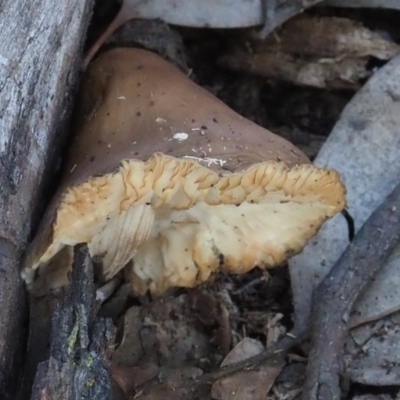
column 39, row 64
column 80, row 343
column 335, row 296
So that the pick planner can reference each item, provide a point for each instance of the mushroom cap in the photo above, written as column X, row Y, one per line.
column 165, row 179
column 133, row 103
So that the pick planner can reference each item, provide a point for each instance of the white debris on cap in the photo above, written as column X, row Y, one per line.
column 180, row 136
column 207, row 160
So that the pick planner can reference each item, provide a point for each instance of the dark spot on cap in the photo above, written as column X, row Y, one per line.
column 221, row 259
column 358, row 124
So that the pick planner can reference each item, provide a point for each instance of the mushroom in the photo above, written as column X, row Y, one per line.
column 167, row 182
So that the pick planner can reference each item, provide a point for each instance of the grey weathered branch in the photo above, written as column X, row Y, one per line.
column 40, row 55
column 335, row 296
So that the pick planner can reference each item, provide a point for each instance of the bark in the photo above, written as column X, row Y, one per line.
column 80, row 343
column 39, row 65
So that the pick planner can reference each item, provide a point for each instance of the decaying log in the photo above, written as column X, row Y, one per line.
column 80, row 343
column 39, row 64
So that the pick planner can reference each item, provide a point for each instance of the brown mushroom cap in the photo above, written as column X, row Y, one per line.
column 164, row 176
column 133, row 104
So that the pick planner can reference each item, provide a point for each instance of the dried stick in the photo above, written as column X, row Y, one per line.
column 283, row 346
column 335, row 296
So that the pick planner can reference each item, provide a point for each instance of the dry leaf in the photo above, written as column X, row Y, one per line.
column 325, row 52
column 247, row 385
column 371, row 353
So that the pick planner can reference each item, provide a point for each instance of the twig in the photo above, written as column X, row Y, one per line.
column 103, row 293
column 282, row 347
column 275, row 16
column 335, row 296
